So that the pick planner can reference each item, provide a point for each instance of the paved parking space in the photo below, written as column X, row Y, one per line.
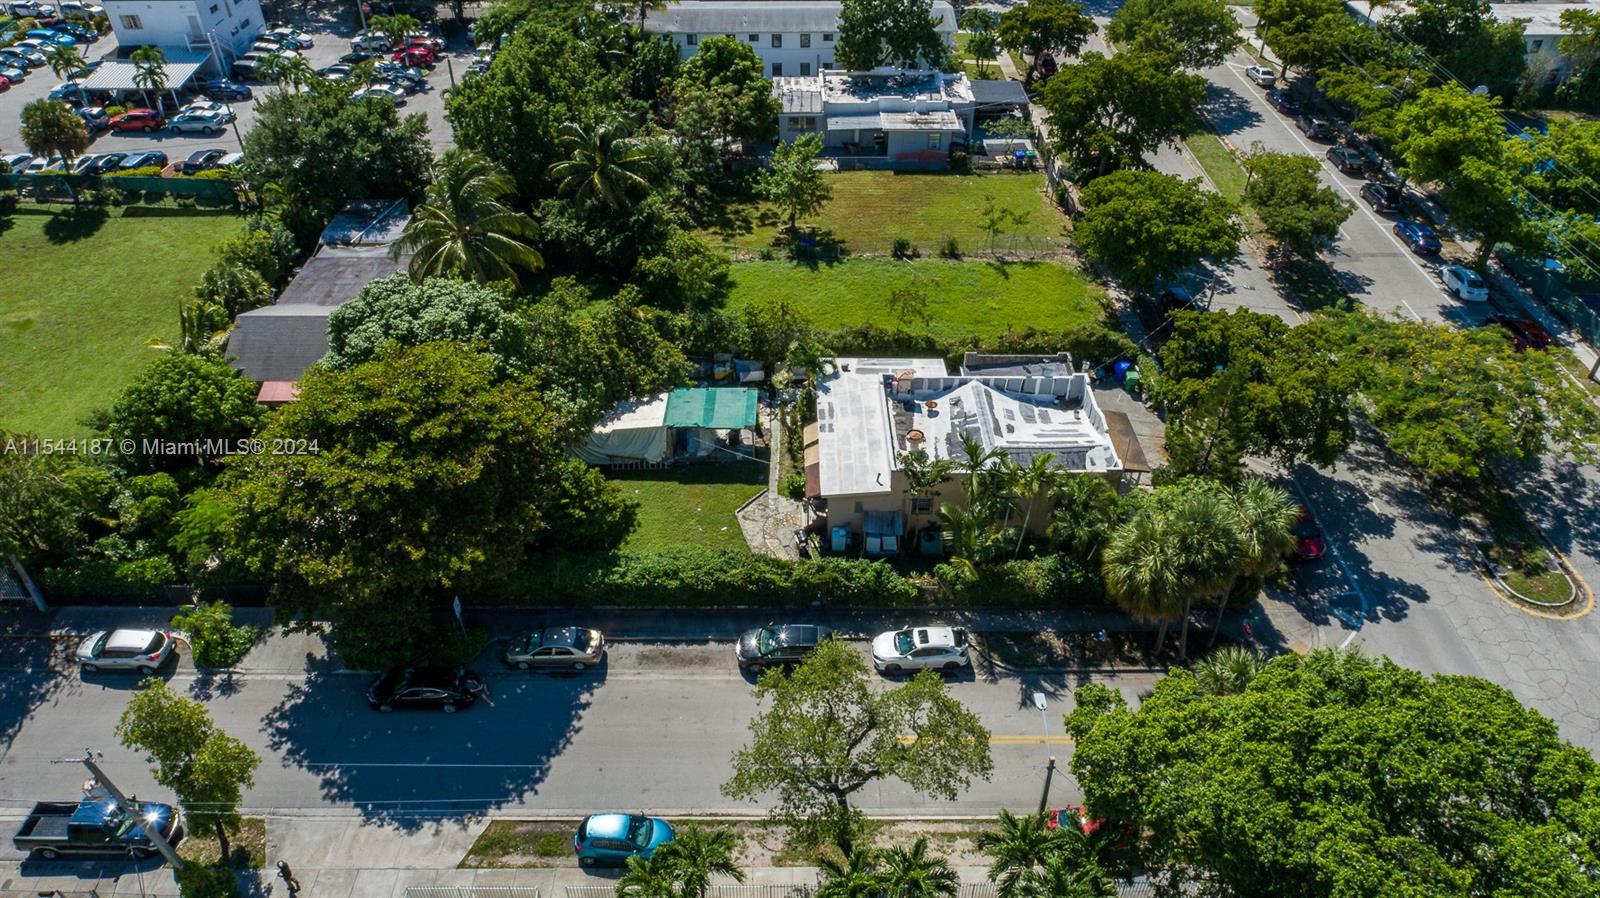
column 330, row 44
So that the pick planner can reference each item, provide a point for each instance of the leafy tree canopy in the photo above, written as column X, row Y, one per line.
column 1571, row 183
column 900, row 33
column 1197, row 33
column 182, row 398
column 1295, row 207
column 792, row 181
column 1444, row 126
column 1146, row 227
column 1310, row 34
column 1044, row 26
column 1466, row 40
column 396, row 311
column 1109, row 112
column 1337, row 774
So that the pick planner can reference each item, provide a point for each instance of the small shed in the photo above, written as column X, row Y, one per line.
column 685, row 421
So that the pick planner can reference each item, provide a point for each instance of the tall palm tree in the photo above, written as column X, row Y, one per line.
column 605, row 163
column 923, row 472
column 912, row 873
column 1228, row 671
column 466, row 229
column 1265, row 517
column 1031, row 483
column 149, row 71
column 1142, row 571
column 974, row 461
column 1205, row 532
column 290, row 73
column 648, row 5
column 857, row 876
column 1017, row 847
column 1066, row 876
column 970, row 538
column 51, row 128
column 68, row 64
column 650, row 877
column 696, row 855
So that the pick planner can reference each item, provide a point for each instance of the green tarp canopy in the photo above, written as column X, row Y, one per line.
column 713, row 408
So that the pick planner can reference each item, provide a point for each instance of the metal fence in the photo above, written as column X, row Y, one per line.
column 135, row 188
column 1575, row 300
column 476, row 892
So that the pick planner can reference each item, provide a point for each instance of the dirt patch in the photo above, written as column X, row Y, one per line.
column 512, row 843
column 763, row 844
column 247, row 848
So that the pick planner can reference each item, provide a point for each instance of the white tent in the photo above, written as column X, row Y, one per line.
column 631, row 432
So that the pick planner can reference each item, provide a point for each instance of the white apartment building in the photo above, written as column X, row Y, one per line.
column 223, row 28
column 792, row 37
column 891, row 118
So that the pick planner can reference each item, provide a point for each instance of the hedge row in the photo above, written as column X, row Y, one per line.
column 1090, row 342
column 1053, row 581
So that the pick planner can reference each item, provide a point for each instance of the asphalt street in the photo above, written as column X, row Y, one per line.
column 653, row 729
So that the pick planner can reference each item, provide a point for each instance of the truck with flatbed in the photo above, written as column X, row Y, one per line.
column 97, row 827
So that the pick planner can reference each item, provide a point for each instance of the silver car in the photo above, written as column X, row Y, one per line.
column 564, row 648
column 141, row 650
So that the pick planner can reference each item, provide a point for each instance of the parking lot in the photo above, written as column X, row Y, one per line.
column 330, row 42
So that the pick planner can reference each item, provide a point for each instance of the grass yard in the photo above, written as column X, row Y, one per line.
column 964, row 298
column 870, row 209
column 1220, row 165
column 512, row 843
column 690, row 505
column 87, row 288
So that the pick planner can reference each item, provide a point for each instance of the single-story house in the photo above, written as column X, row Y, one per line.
column 686, row 422
column 888, row 117
column 870, row 412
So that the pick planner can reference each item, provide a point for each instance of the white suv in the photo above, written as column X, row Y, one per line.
column 916, row 648
column 141, row 650
column 1464, row 283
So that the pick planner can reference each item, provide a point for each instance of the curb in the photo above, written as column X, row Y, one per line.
column 1572, row 586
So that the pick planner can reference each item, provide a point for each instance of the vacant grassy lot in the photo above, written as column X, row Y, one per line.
column 84, row 289
column 690, row 505
column 870, row 209
column 964, row 298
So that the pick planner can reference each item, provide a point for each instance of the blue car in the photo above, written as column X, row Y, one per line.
column 223, row 89
column 53, row 37
column 613, row 838
column 1423, row 240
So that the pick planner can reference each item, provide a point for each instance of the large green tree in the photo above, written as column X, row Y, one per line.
column 825, row 732
column 1467, row 41
column 792, row 180
column 1295, row 207
column 1308, row 34
column 901, row 33
column 605, row 164
column 1570, row 180
column 398, row 311
column 1197, row 33
column 1044, row 26
column 467, row 228
column 1109, row 112
column 205, row 767
column 1340, row 775
column 1146, row 227
column 178, row 403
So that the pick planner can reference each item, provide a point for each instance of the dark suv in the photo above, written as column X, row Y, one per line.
column 1314, row 128
column 1381, row 197
column 778, row 645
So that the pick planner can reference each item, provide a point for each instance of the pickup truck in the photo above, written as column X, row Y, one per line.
column 95, row 826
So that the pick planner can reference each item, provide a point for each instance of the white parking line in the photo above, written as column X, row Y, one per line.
column 1382, row 224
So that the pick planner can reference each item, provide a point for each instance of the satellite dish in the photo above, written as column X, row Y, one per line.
column 1480, row 91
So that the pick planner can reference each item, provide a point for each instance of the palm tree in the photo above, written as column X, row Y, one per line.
column 1265, row 517
column 647, row 5
column 1206, row 533
column 465, row 229
column 923, row 472
column 1141, row 571
column 1030, row 484
column 1087, row 511
column 856, row 877
column 650, row 877
column 149, row 71
column 695, row 855
column 973, row 462
column 605, row 163
column 288, row 72
column 68, row 64
column 911, row 873
column 1228, row 671
column 51, row 128
column 970, row 538
column 1017, row 847
column 1064, row 876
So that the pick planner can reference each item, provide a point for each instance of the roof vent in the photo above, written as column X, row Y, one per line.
column 931, row 404
column 914, row 436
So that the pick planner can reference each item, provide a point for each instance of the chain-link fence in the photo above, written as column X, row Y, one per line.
column 1577, row 301
column 132, row 189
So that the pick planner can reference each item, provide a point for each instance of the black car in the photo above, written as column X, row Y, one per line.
column 778, row 645
column 1381, row 197
column 223, row 90
column 355, row 56
column 200, row 160
column 144, row 160
column 1281, row 102
column 1346, row 160
column 1314, row 128
column 445, row 688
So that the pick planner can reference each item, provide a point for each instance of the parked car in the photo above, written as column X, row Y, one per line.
column 1422, row 239
column 95, row 118
column 1314, row 127
column 1178, row 299
column 335, row 72
column 16, row 162
column 917, row 648
column 1045, row 66
column 40, row 165
column 196, row 123
column 51, row 36
column 35, row 46
column 143, row 160
column 244, row 68
column 96, row 826
column 414, row 56
column 78, row 32
column 1463, row 283
column 1262, row 76
column 1309, row 543
column 211, row 107
column 104, row 162
column 1525, row 333
column 1347, row 160
column 370, row 41
column 285, row 35
column 395, row 73
column 355, row 56
column 613, row 838
column 199, row 161
column 141, row 650
column 76, row 8
column 138, row 120
column 12, row 74
column 66, row 90
column 25, row 57
column 83, row 165
column 388, row 92
column 28, row 10
column 229, row 160
column 224, row 90
column 1280, row 101
column 564, row 648
column 445, row 688
column 1381, row 197
column 777, row 645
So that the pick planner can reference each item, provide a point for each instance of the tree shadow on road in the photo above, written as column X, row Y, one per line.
column 37, row 667
column 1229, row 111
column 478, row 760
column 1562, row 498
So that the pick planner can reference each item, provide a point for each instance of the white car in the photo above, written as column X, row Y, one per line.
column 16, row 162
column 141, row 650
column 1463, row 283
column 370, row 41
column 40, row 165
column 210, row 107
column 385, row 91
column 918, row 648
column 65, row 90
column 229, row 160
column 83, row 9
column 1262, row 76
column 290, row 36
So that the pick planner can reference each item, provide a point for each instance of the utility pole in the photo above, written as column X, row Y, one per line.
column 129, row 807
column 1049, row 774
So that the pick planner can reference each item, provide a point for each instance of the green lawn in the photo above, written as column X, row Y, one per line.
column 690, row 505
column 871, row 208
column 964, row 298
column 85, row 290
column 1220, row 164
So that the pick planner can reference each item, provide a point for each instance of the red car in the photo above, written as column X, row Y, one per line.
column 138, row 120
column 1309, row 543
column 422, row 40
column 5, row 84
column 415, row 56
column 1120, row 840
column 1525, row 332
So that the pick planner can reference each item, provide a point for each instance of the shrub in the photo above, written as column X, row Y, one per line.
column 103, row 578
column 213, row 637
column 950, row 249
column 233, row 287
column 454, row 648
column 903, row 248
column 115, row 110
column 1053, row 581
column 960, row 162
column 794, row 486
column 144, row 171
column 202, row 881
